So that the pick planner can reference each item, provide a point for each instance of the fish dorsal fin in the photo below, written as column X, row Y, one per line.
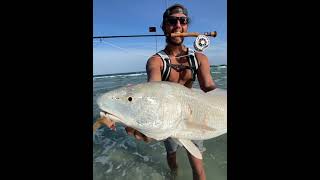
column 190, row 146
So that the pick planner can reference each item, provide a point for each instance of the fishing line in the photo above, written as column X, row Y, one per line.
column 123, row 49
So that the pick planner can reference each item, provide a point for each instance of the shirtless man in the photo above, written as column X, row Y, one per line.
column 177, row 63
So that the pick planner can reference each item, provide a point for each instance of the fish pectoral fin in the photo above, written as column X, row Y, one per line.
column 190, row 123
column 193, row 125
column 191, row 147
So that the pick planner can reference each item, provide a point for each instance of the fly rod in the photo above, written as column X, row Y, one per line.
column 186, row 34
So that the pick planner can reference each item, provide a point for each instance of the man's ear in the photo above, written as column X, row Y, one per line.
column 162, row 27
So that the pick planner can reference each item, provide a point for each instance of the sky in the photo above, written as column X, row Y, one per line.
column 134, row 17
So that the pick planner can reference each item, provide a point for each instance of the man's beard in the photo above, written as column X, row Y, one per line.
column 169, row 41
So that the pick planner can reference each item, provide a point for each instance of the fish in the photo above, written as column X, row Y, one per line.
column 162, row 109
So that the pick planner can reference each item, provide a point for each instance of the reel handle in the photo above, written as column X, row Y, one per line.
column 193, row 34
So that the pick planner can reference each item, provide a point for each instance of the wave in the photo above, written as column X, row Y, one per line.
column 119, row 75
column 143, row 73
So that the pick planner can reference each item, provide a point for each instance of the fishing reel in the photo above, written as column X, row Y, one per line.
column 201, row 43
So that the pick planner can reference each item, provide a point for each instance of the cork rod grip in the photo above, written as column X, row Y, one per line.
column 193, row 34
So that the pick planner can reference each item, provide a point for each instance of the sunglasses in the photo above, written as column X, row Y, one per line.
column 174, row 20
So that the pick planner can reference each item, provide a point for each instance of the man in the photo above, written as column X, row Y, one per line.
column 177, row 63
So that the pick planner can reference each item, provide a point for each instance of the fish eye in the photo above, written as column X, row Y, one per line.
column 129, row 98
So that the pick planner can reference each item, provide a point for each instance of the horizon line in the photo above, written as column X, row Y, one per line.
column 124, row 73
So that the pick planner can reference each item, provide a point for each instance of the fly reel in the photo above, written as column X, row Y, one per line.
column 201, row 43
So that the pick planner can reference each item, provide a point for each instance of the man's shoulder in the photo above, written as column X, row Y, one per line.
column 201, row 58
column 200, row 55
column 154, row 60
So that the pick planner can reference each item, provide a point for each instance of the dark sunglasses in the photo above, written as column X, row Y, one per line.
column 174, row 20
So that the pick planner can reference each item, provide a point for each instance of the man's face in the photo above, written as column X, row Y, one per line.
column 176, row 23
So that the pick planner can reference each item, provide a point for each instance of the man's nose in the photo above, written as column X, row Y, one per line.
column 178, row 24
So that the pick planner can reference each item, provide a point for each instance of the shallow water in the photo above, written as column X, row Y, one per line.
column 119, row 156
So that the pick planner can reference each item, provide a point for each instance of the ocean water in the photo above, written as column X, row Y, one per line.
column 117, row 156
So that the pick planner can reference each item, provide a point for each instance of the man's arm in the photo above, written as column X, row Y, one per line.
column 153, row 68
column 204, row 75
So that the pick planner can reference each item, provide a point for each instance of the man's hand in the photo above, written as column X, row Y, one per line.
column 103, row 120
column 138, row 135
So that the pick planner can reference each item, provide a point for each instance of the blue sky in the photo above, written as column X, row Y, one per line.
column 134, row 17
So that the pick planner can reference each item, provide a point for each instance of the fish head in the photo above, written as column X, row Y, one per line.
column 136, row 106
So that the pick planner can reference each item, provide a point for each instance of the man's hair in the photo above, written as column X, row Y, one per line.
column 176, row 8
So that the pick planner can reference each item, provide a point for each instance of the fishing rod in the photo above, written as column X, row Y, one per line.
column 186, row 34
column 201, row 43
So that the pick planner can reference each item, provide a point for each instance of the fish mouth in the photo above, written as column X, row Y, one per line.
column 110, row 116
